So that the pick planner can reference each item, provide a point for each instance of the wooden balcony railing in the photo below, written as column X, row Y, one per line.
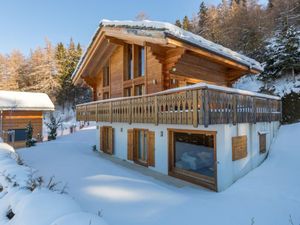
column 195, row 105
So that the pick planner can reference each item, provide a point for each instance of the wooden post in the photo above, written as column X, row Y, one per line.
column 155, row 110
column 110, row 112
column 130, row 112
column 195, row 108
column 97, row 112
column 254, row 110
column 280, row 105
column 205, row 108
column 235, row 119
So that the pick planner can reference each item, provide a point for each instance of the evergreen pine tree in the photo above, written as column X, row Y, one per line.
column 178, row 23
column 186, row 23
column 282, row 54
column 53, row 126
column 202, row 16
column 29, row 137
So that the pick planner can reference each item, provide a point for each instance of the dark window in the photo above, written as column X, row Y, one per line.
column 20, row 135
column 194, row 153
column 141, row 61
column 129, row 63
column 127, row 92
column 139, row 90
column 105, row 95
column 106, row 75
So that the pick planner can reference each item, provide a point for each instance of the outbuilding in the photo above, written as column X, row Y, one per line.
column 17, row 109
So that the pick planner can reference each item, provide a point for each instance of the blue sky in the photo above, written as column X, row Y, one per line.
column 25, row 24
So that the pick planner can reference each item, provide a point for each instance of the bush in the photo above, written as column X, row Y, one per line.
column 53, row 126
column 30, row 141
column 291, row 108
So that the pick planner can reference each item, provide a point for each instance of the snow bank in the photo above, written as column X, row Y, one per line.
column 18, row 100
column 280, row 87
column 79, row 218
column 19, row 205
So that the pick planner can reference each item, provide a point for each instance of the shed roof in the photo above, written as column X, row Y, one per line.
column 17, row 100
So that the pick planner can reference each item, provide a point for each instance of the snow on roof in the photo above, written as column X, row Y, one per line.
column 17, row 100
column 172, row 30
column 182, row 34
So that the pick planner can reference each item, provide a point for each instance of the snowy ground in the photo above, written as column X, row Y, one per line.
column 269, row 195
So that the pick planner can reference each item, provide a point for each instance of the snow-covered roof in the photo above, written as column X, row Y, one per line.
column 173, row 30
column 170, row 30
column 17, row 100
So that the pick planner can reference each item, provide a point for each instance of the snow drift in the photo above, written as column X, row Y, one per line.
column 25, row 201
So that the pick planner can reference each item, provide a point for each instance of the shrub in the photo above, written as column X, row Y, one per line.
column 30, row 141
column 291, row 108
column 53, row 126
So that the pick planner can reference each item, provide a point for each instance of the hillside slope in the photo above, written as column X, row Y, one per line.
column 268, row 195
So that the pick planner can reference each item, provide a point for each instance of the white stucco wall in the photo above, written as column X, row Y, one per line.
column 228, row 171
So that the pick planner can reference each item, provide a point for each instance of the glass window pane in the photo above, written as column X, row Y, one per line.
column 194, row 153
column 141, row 60
column 130, row 63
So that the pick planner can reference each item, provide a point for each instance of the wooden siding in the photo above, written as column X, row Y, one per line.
column 153, row 73
column 19, row 120
column 162, row 65
column 116, row 73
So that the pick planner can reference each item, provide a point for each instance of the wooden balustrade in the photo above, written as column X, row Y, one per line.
column 199, row 106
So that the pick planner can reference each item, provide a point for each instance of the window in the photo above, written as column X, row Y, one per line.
column 106, row 95
column 17, row 135
column 262, row 143
column 140, row 148
column 106, row 139
column 106, row 75
column 139, row 90
column 141, row 61
column 192, row 156
column 129, row 62
column 127, row 92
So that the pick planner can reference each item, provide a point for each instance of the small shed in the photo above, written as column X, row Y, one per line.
column 17, row 109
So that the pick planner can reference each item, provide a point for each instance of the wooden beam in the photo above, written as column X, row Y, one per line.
column 211, row 56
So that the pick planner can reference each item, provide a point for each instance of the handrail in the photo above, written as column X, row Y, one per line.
column 200, row 105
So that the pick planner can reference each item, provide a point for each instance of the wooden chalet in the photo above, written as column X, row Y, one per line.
column 166, row 94
column 17, row 109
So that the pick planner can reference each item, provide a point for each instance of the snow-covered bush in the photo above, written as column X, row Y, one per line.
column 30, row 141
column 53, row 126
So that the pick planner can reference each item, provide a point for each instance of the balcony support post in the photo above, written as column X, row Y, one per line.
column 195, row 108
column 155, row 110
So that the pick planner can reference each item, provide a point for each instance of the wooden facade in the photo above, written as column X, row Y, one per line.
column 112, row 66
column 18, row 120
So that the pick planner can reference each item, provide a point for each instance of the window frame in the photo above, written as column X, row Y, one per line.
column 199, row 179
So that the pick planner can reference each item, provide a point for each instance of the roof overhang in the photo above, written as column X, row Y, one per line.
column 163, row 34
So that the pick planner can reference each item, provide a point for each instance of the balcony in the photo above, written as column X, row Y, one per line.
column 199, row 104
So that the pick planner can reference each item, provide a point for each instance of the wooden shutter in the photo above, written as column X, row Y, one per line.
column 102, row 138
column 239, row 147
column 151, row 148
column 110, row 147
column 130, row 144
